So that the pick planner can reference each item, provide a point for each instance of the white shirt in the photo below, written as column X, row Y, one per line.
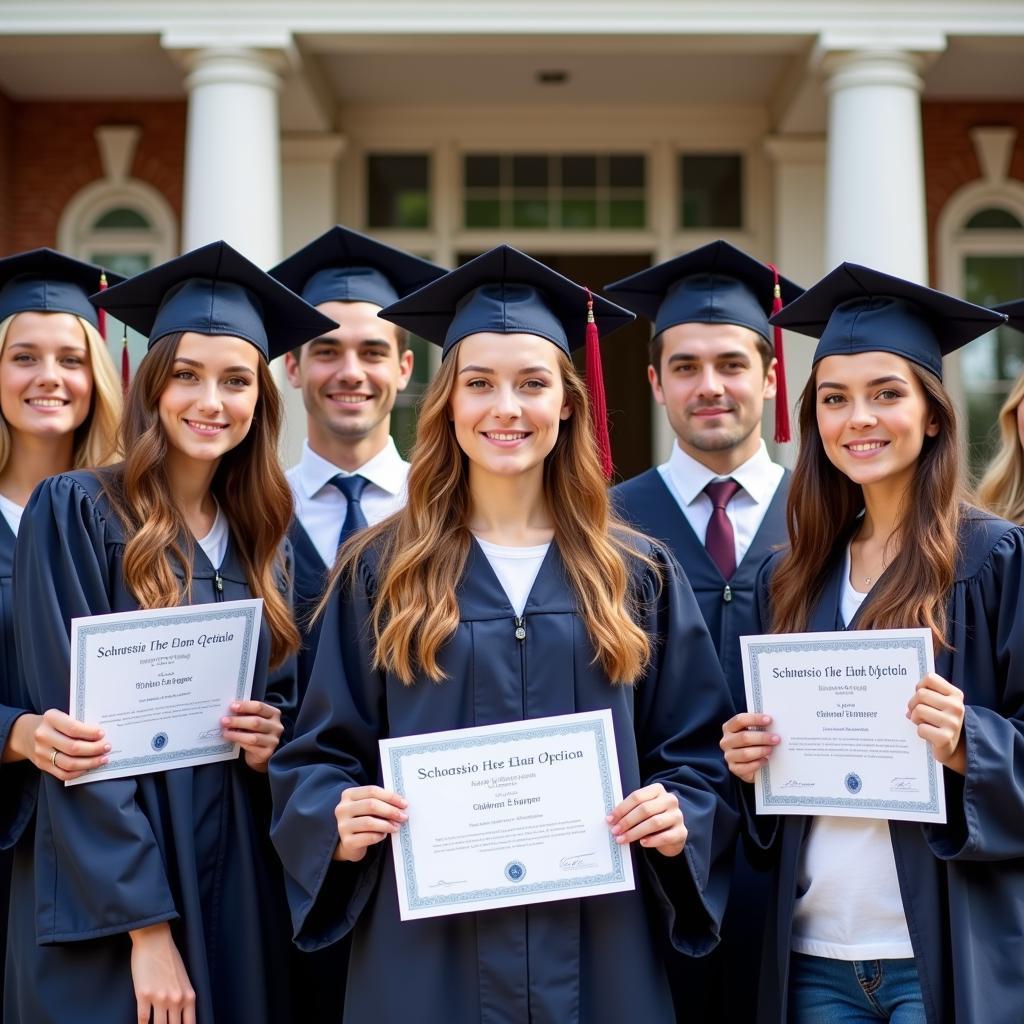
column 215, row 543
column 12, row 513
column 516, row 569
column 758, row 478
column 851, row 908
column 320, row 506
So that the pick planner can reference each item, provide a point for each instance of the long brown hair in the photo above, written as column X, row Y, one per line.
column 822, row 513
column 249, row 486
column 1002, row 487
column 424, row 547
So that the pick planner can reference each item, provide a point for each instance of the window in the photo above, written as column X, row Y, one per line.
column 399, row 190
column 572, row 191
column 711, row 190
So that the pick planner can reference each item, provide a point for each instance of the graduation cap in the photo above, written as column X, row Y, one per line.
column 715, row 284
column 215, row 290
column 344, row 266
column 1014, row 312
column 504, row 291
column 857, row 309
column 47, row 281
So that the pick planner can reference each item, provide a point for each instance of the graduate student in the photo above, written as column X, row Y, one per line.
column 60, row 401
column 875, row 919
column 153, row 896
column 1002, row 487
column 505, row 590
column 350, row 473
column 718, row 504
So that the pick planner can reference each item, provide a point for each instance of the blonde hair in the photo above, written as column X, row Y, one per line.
column 1002, row 487
column 423, row 548
column 96, row 438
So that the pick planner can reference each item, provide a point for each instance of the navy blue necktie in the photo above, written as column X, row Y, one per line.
column 352, row 488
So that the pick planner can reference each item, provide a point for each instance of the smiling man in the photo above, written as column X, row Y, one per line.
column 719, row 503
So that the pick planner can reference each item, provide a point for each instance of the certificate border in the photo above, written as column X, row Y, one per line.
column 840, row 642
column 85, row 629
column 567, row 885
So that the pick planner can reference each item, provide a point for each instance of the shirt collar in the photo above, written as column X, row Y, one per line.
column 386, row 470
column 756, row 476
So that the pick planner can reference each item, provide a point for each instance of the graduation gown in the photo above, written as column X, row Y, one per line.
column 585, row 961
column 962, row 883
column 646, row 503
column 185, row 846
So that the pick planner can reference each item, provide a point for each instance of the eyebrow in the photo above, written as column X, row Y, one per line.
column 487, row 369
column 201, row 366
column 63, row 348
column 686, row 357
column 871, row 383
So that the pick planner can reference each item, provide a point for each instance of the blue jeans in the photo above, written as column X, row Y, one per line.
column 824, row 991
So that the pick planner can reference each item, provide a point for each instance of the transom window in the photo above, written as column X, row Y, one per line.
column 568, row 191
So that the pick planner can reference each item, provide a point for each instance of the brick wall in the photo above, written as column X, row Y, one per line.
column 6, row 120
column 949, row 157
column 57, row 156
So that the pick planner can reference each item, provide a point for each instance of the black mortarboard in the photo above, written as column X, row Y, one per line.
column 215, row 290
column 1014, row 312
column 504, row 291
column 47, row 281
column 344, row 266
column 715, row 284
column 857, row 309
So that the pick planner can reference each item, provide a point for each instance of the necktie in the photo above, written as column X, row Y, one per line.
column 720, row 541
column 352, row 488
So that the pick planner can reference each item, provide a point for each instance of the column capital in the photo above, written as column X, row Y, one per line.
column 263, row 60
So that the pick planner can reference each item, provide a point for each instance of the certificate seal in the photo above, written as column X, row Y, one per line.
column 515, row 871
column 853, row 783
column 159, row 741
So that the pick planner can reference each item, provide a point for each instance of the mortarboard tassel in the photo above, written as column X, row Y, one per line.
column 782, row 431
column 101, row 314
column 126, row 369
column 595, row 385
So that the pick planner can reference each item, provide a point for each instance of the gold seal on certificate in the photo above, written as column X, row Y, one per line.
column 839, row 703
column 503, row 815
column 158, row 681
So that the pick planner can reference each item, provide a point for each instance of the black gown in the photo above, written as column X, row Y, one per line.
column 709, row 987
column 962, row 883
column 590, row 961
column 187, row 846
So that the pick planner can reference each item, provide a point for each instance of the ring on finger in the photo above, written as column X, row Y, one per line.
column 53, row 758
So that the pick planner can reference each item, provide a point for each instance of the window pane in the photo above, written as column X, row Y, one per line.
column 579, row 171
column 529, row 171
column 626, row 172
column 994, row 217
column 483, row 171
column 122, row 218
column 530, row 213
column 627, row 213
column 483, row 213
column 579, row 213
column 712, row 191
column 399, row 191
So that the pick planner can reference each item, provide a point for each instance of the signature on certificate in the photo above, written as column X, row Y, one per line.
column 577, row 862
column 903, row 785
column 797, row 784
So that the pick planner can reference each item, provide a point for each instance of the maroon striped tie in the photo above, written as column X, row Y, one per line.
column 720, row 541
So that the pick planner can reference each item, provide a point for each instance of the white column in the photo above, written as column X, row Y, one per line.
column 875, row 204
column 233, row 151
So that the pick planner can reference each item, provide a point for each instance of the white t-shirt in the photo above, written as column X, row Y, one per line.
column 12, row 513
column 516, row 569
column 851, row 907
column 215, row 543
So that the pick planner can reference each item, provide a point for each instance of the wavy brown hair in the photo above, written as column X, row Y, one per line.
column 249, row 486
column 822, row 513
column 424, row 547
column 1002, row 487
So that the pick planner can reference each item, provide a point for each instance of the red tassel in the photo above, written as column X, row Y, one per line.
column 595, row 385
column 101, row 315
column 782, row 431
column 126, row 369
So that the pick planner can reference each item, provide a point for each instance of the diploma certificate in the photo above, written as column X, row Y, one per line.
column 502, row 815
column 839, row 702
column 158, row 681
